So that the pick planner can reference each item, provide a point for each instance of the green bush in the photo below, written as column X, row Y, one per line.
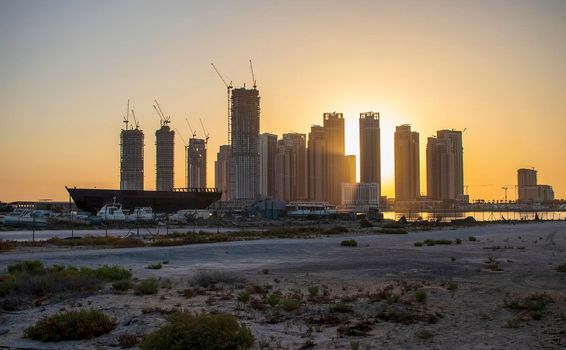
column 108, row 273
column 431, row 242
column 273, row 299
column 420, row 296
column 72, row 325
column 458, row 241
column 31, row 267
column 154, row 266
column 313, row 291
column 203, row 332
column 472, row 239
column 289, row 304
column 121, row 286
column 244, row 297
column 349, row 243
column 146, row 287
column 418, row 244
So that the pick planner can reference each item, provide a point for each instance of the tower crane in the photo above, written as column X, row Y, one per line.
column 135, row 120
column 194, row 133
column 253, row 76
column 164, row 119
column 206, row 135
column 127, row 116
column 507, row 187
column 229, row 94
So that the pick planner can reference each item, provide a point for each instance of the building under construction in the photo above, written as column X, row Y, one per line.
column 244, row 161
column 131, row 155
column 164, row 163
column 196, row 163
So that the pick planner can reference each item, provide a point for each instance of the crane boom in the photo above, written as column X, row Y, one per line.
column 221, row 77
column 135, row 120
column 181, row 136
column 190, row 128
column 253, row 76
column 229, row 99
column 206, row 135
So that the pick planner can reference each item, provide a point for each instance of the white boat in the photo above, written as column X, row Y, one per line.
column 25, row 217
column 112, row 212
column 143, row 214
column 310, row 209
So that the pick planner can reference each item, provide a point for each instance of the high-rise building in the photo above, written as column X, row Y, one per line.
column 316, row 162
column 334, row 132
column 131, row 159
column 455, row 136
column 164, row 164
column 222, row 171
column 196, row 163
column 440, row 169
column 407, row 177
column 290, row 168
column 349, row 169
column 267, row 149
column 530, row 190
column 370, row 148
column 244, row 161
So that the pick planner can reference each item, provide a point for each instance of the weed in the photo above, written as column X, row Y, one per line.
column 420, row 296
column 72, row 325
column 349, row 243
column 121, row 285
column 146, row 287
column 313, row 291
column 273, row 299
column 289, row 304
column 128, row 341
column 205, row 332
column 244, row 297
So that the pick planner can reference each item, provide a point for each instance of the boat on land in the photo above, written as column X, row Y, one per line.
column 310, row 209
column 92, row 199
column 26, row 217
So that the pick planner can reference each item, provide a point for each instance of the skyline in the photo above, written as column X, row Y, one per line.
column 496, row 76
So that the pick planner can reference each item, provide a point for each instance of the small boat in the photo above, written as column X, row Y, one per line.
column 25, row 217
column 112, row 212
column 310, row 209
column 143, row 214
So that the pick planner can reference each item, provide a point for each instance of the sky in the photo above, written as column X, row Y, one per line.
column 67, row 68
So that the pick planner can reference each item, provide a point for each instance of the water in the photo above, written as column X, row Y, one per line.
column 448, row 215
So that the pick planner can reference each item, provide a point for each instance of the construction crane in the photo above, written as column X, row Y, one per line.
column 253, row 76
column 194, row 133
column 127, row 116
column 229, row 94
column 164, row 119
column 135, row 120
column 507, row 187
column 206, row 135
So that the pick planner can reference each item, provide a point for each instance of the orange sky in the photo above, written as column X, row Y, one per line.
column 67, row 68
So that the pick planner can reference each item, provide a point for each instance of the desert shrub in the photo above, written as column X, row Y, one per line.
column 561, row 268
column 431, row 242
column 273, row 299
column 154, row 266
column 204, row 332
column 31, row 267
column 265, row 271
column 313, row 291
column 108, row 273
column 452, row 286
column 458, row 241
column 418, row 244
column 472, row 239
column 289, row 304
column 6, row 284
column 354, row 345
column 349, row 243
column 71, row 325
column 209, row 278
column 128, row 340
column 420, row 296
column 244, row 297
column 146, row 287
column 6, row 245
column 121, row 285
column 110, row 242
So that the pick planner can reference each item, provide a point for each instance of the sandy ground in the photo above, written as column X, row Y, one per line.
column 470, row 317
